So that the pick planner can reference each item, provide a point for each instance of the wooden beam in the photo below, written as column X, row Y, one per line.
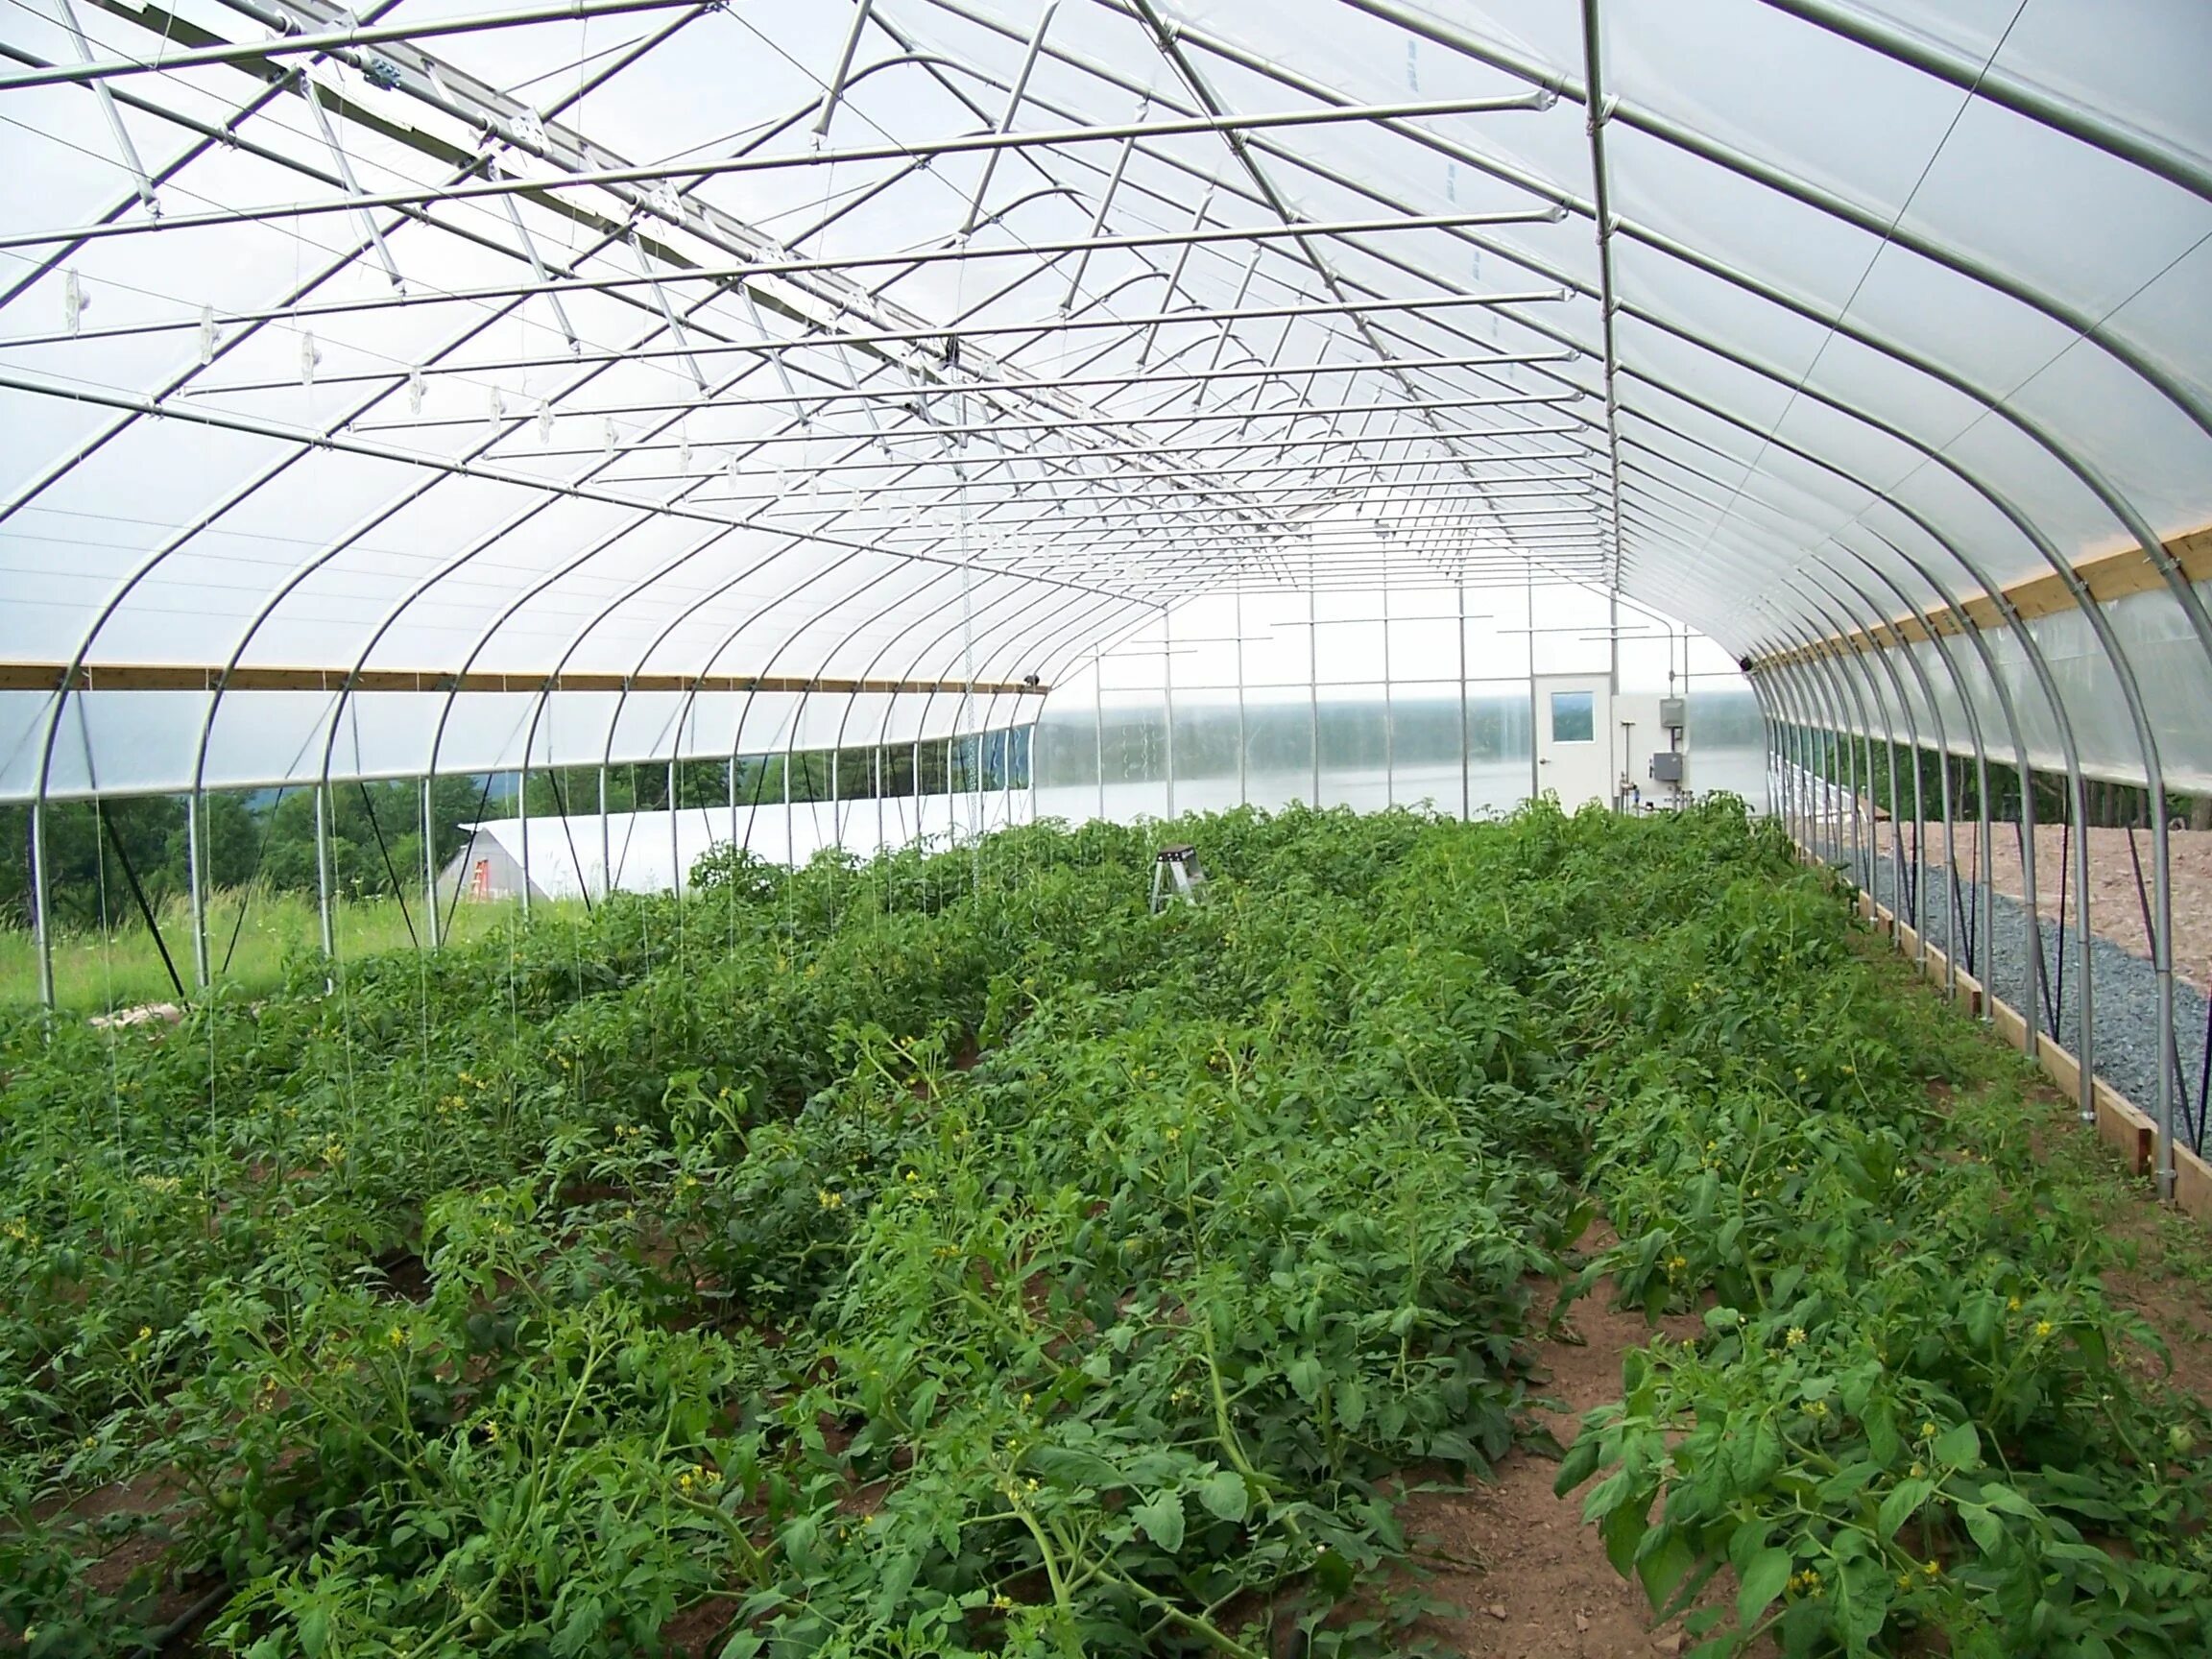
column 2109, row 577
column 194, row 677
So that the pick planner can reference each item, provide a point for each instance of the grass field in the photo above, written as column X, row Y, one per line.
column 122, row 969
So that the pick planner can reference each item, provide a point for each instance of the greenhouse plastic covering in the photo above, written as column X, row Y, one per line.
column 448, row 387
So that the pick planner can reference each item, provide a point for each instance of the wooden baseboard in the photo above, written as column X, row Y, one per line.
column 2121, row 1123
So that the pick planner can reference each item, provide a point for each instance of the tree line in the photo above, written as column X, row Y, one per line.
column 266, row 838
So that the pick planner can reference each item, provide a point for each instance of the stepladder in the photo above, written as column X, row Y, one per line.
column 1177, row 875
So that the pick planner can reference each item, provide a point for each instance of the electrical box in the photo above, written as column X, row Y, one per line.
column 1666, row 767
column 1673, row 712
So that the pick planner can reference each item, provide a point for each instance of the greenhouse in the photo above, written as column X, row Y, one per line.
column 1105, row 827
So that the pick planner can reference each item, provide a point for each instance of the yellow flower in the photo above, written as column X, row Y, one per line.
column 1796, row 1336
column 2043, row 1327
column 145, row 1332
column 827, row 1199
column 1934, row 1569
column 911, row 1176
column 398, row 1336
column 1927, row 1430
column 2013, row 1304
column 1917, row 1471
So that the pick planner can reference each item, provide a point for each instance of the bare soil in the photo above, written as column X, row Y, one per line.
column 1536, row 1583
column 2115, row 908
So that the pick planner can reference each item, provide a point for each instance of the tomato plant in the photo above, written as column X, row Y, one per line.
column 943, row 1254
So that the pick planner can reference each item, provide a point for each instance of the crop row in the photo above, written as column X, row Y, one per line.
column 944, row 1255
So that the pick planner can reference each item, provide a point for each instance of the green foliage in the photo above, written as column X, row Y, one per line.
column 944, row 1255
column 1914, row 1409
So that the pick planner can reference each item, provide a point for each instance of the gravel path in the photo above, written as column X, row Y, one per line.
column 2126, row 990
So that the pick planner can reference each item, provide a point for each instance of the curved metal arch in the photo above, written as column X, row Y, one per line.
column 2085, row 328
column 924, row 647
column 1914, row 898
column 1934, row 703
column 1818, row 690
column 236, row 499
column 764, row 137
column 1857, row 688
column 2115, row 652
column 1985, row 908
column 2154, row 158
column 277, row 596
column 482, row 544
column 896, row 564
column 643, row 519
column 2144, row 150
column 1084, row 611
column 226, row 135
column 1817, row 561
column 1071, row 627
column 2032, row 650
column 2002, row 692
column 690, row 695
column 1799, row 814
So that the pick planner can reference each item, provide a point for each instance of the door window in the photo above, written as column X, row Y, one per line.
column 1574, row 717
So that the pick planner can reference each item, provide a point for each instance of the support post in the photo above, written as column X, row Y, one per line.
column 430, row 903
column 322, row 899
column 1466, row 761
column 41, row 918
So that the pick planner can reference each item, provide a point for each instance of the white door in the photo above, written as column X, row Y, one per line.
column 1574, row 717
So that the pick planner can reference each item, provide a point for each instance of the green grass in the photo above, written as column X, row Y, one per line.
column 122, row 968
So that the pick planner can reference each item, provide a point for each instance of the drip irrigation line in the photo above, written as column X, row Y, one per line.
column 108, row 825
column 2065, row 850
column 453, row 907
column 2036, row 934
column 2150, row 942
column 399, row 892
column 245, row 892
column 2204, row 1082
column 1973, row 885
column 567, row 834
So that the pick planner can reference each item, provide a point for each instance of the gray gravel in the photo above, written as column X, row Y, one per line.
column 2125, row 992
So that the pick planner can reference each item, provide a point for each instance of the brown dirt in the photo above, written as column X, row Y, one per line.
column 2115, row 910
column 1538, row 1585
column 698, row 1630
